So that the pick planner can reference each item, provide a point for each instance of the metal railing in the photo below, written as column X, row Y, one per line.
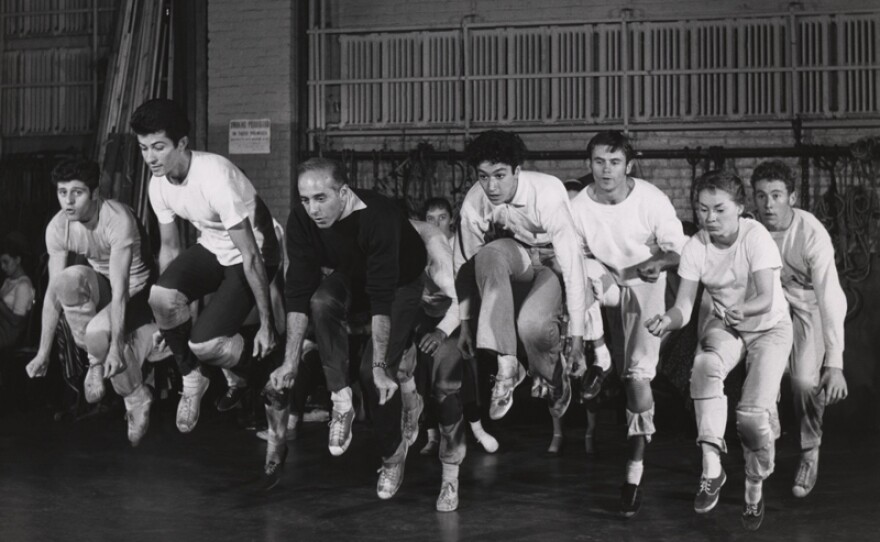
column 765, row 70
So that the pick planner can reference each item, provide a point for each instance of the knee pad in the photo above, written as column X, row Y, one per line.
column 754, row 427
column 170, row 307
column 639, row 398
column 77, row 285
column 707, row 376
column 640, row 423
column 219, row 351
column 97, row 343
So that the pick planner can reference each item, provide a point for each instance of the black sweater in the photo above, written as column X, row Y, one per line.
column 376, row 247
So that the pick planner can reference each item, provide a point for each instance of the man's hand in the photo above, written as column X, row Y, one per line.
column 577, row 364
column 657, row 325
column 385, row 385
column 431, row 341
column 834, row 385
column 733, row 317
column 283, row 377
column 466, row 340
column 649, row 271
column 115, row 362
column 264, row 341
column 37, row 366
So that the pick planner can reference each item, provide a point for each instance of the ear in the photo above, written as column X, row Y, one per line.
column 740, row 209
column 516, row 171
column 792, row 198
column 183, row 143
column 629, row 166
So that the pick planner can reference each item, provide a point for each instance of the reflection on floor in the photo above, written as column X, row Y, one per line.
column 81, row 481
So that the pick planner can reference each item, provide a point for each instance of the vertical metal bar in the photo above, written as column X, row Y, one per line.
column 794, row 47
column 625, row 68
column 466, row 76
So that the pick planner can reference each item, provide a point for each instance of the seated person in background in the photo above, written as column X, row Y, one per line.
column 104, row 303
column 17, row 292
column 436, row 304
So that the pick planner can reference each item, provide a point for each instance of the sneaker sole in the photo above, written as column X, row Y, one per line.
column 447, row 509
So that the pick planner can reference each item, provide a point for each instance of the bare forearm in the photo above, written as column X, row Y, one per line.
column 381, row 324
column 51, row 314
column 759, row 304
column 117, row 316
column 166, row 256
column 255, row 273
column 297, row 324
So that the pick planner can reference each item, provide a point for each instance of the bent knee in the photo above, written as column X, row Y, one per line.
column 707, row 376
column 77, row 285
column 754, row 427
column 639, row 397
column 219, row 351
column 170, row 307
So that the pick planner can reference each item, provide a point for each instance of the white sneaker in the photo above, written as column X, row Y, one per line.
column 190, row 402
column 340, row 432
column 502, row 392
column 488, row 442
column 138, row 418
column 448, row 499
column 94, row 383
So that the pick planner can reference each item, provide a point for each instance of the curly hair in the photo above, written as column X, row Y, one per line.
column 721, row 180
column 496, row 147
column 160, row 115
column 614, row 140
column 77, row 169
column 774, row 170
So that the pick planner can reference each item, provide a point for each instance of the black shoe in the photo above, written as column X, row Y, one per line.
column 272, row 471
column 709, row 493
column 630, row 500
column 592, row 383
column 753, row 515
column 231, row 399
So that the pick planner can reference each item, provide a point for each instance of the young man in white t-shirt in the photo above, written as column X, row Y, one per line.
column 104, row 302
column 236, row 255
column 737, row 262
column 631, row 228
column 818, row 309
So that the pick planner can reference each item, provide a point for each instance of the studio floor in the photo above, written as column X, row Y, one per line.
column 82, row 481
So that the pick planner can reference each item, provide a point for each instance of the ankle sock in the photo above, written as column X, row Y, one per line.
column 634, row 470
column 507, row 366
column 754, row 491
column 450, row 472
column 603, row 356
column 711, row 461
column 341, row 400
column 433, row 435
column 192, row 379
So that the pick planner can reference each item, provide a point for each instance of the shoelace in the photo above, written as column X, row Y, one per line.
column 751, row 509
column 337, row 426
column 387, row 476
column 804, row 473
column 704, row 485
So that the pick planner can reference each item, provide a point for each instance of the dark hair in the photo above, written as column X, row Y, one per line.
column 721, row 180
column 774, row 170
column 15, row 244
column 616, row 141
column 160, row 115
column 573, row 185
column 77, row 169
column 436, row 203
column 496, row 147
column 334, row 167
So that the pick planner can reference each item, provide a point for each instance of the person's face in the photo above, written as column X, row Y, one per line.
column 76, row 200
column 774, row 204
column 439, row 217
column 162, row 156
column 322, row 200
column 719, row 213
column 610, row 169
column 9, row 264
column 498, row 181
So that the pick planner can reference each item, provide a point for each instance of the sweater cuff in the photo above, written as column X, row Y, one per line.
column 834, row 359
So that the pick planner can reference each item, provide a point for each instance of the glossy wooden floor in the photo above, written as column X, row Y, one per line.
column 81, row 481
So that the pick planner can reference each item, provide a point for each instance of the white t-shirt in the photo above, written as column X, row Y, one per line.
column 625, row 234
column 727, row 273
column 18, row 294
column 214, row 197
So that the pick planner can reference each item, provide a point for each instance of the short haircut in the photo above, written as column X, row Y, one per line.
column 496, row 147
column 573, row 185
column 14, row 245
column 77, row 169
column 334, row 167
column 774, row 170
column 720, row 180
column 436, row 203
column 160, row 115
column 615, row 140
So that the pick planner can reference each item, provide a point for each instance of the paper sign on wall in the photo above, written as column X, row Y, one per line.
column 250, row 136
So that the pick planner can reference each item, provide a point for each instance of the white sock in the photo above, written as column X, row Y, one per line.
column 753, row 491
column 341, row 400
column 634, row 470
column 233, row 380
column 711, row 461
column 135, row 398
column 603, row 357
column 408, row 385
column 507, row 365
column 433, row 435
column 292, row 422
column 450, row 472
column 477, row 429
column 192, row 379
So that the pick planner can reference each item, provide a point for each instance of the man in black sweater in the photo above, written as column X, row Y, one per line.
column 376, row 262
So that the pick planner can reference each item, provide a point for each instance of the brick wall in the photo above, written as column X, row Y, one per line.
column 250, row 77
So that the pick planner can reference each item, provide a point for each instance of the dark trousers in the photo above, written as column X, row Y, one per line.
column 330, row 306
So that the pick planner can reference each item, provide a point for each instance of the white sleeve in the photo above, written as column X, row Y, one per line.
column 667, row 227
column 164, row 214
column 690, row 266
column 226, row 195
column 761, row 250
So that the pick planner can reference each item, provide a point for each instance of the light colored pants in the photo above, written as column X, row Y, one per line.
column 719, row 351
column 807, row 358
column 520, row 295
column 78, row 292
